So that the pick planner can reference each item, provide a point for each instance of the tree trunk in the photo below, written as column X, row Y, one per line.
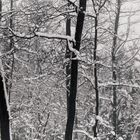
column 4, row 114
column 10, row 75
column 96, row 77
column 95, row 58
column 74, row 72
column 68, row 56
column 114, row 72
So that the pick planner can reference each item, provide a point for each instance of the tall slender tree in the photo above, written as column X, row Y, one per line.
column 4, row 107
column 95, row 70
column 114, row 72
column 4, row 113
column 96, row 77
column 74, row 71
column 68, row 55
column 95, row 74
column 11, row 45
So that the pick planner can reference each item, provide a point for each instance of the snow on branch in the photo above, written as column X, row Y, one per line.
column 21, row 35
column 103, row 122
column 89, row 78
column 105, row 98
column 85, row 133
column 55, row 36
column 7, row 53
column 24, row 49
column 40, row 34
column 118, row 84
column 112, row 33
column 77, row 53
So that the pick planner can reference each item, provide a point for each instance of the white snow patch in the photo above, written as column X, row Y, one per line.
column 18, row 2
column 120, row 138
column 113, row 133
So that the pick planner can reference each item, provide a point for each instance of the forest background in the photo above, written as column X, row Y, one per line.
column 70, row 69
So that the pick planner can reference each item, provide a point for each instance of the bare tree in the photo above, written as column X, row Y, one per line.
column 68, row 55
column 11, row 45
column 74, row 71
column 4, row 109
column 95, row 58
column 114, row 74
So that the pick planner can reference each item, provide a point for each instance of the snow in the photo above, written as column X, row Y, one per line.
column 7, row 53
column 24, row 49
column 55, row 36
column 103, row 122
column 41, row 34
column 85, row 133
column 118, row 84
column 70, row 45
column 113, row 133
column 18, row 2
column 125, row 93
column 120, row 138
column 105, row 98
column 21, row 35
column 99, row 118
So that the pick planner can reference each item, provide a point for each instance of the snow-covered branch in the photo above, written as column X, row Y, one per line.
column 54, row 36
column 24, row 49
column 41, row 34
column 103, row 122
column 85, row 133
column 118, row 84
column 21, row 35
column 77, row 53
column 7, row 53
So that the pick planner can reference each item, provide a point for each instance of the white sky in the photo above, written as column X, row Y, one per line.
column 133, row 5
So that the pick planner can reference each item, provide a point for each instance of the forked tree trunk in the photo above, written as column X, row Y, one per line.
column 74, row 72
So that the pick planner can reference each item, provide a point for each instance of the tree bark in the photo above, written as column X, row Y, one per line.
column 95, row 58
column 4, row 114
column 114, row 72
column 68, row 56
column 96, row 77
column 74, row 72
column 11, row 45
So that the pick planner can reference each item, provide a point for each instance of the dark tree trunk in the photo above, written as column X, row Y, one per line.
column 74, row 72
column 4, row 114
column 95, row 58
column 114, row 71
column 96, row 77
